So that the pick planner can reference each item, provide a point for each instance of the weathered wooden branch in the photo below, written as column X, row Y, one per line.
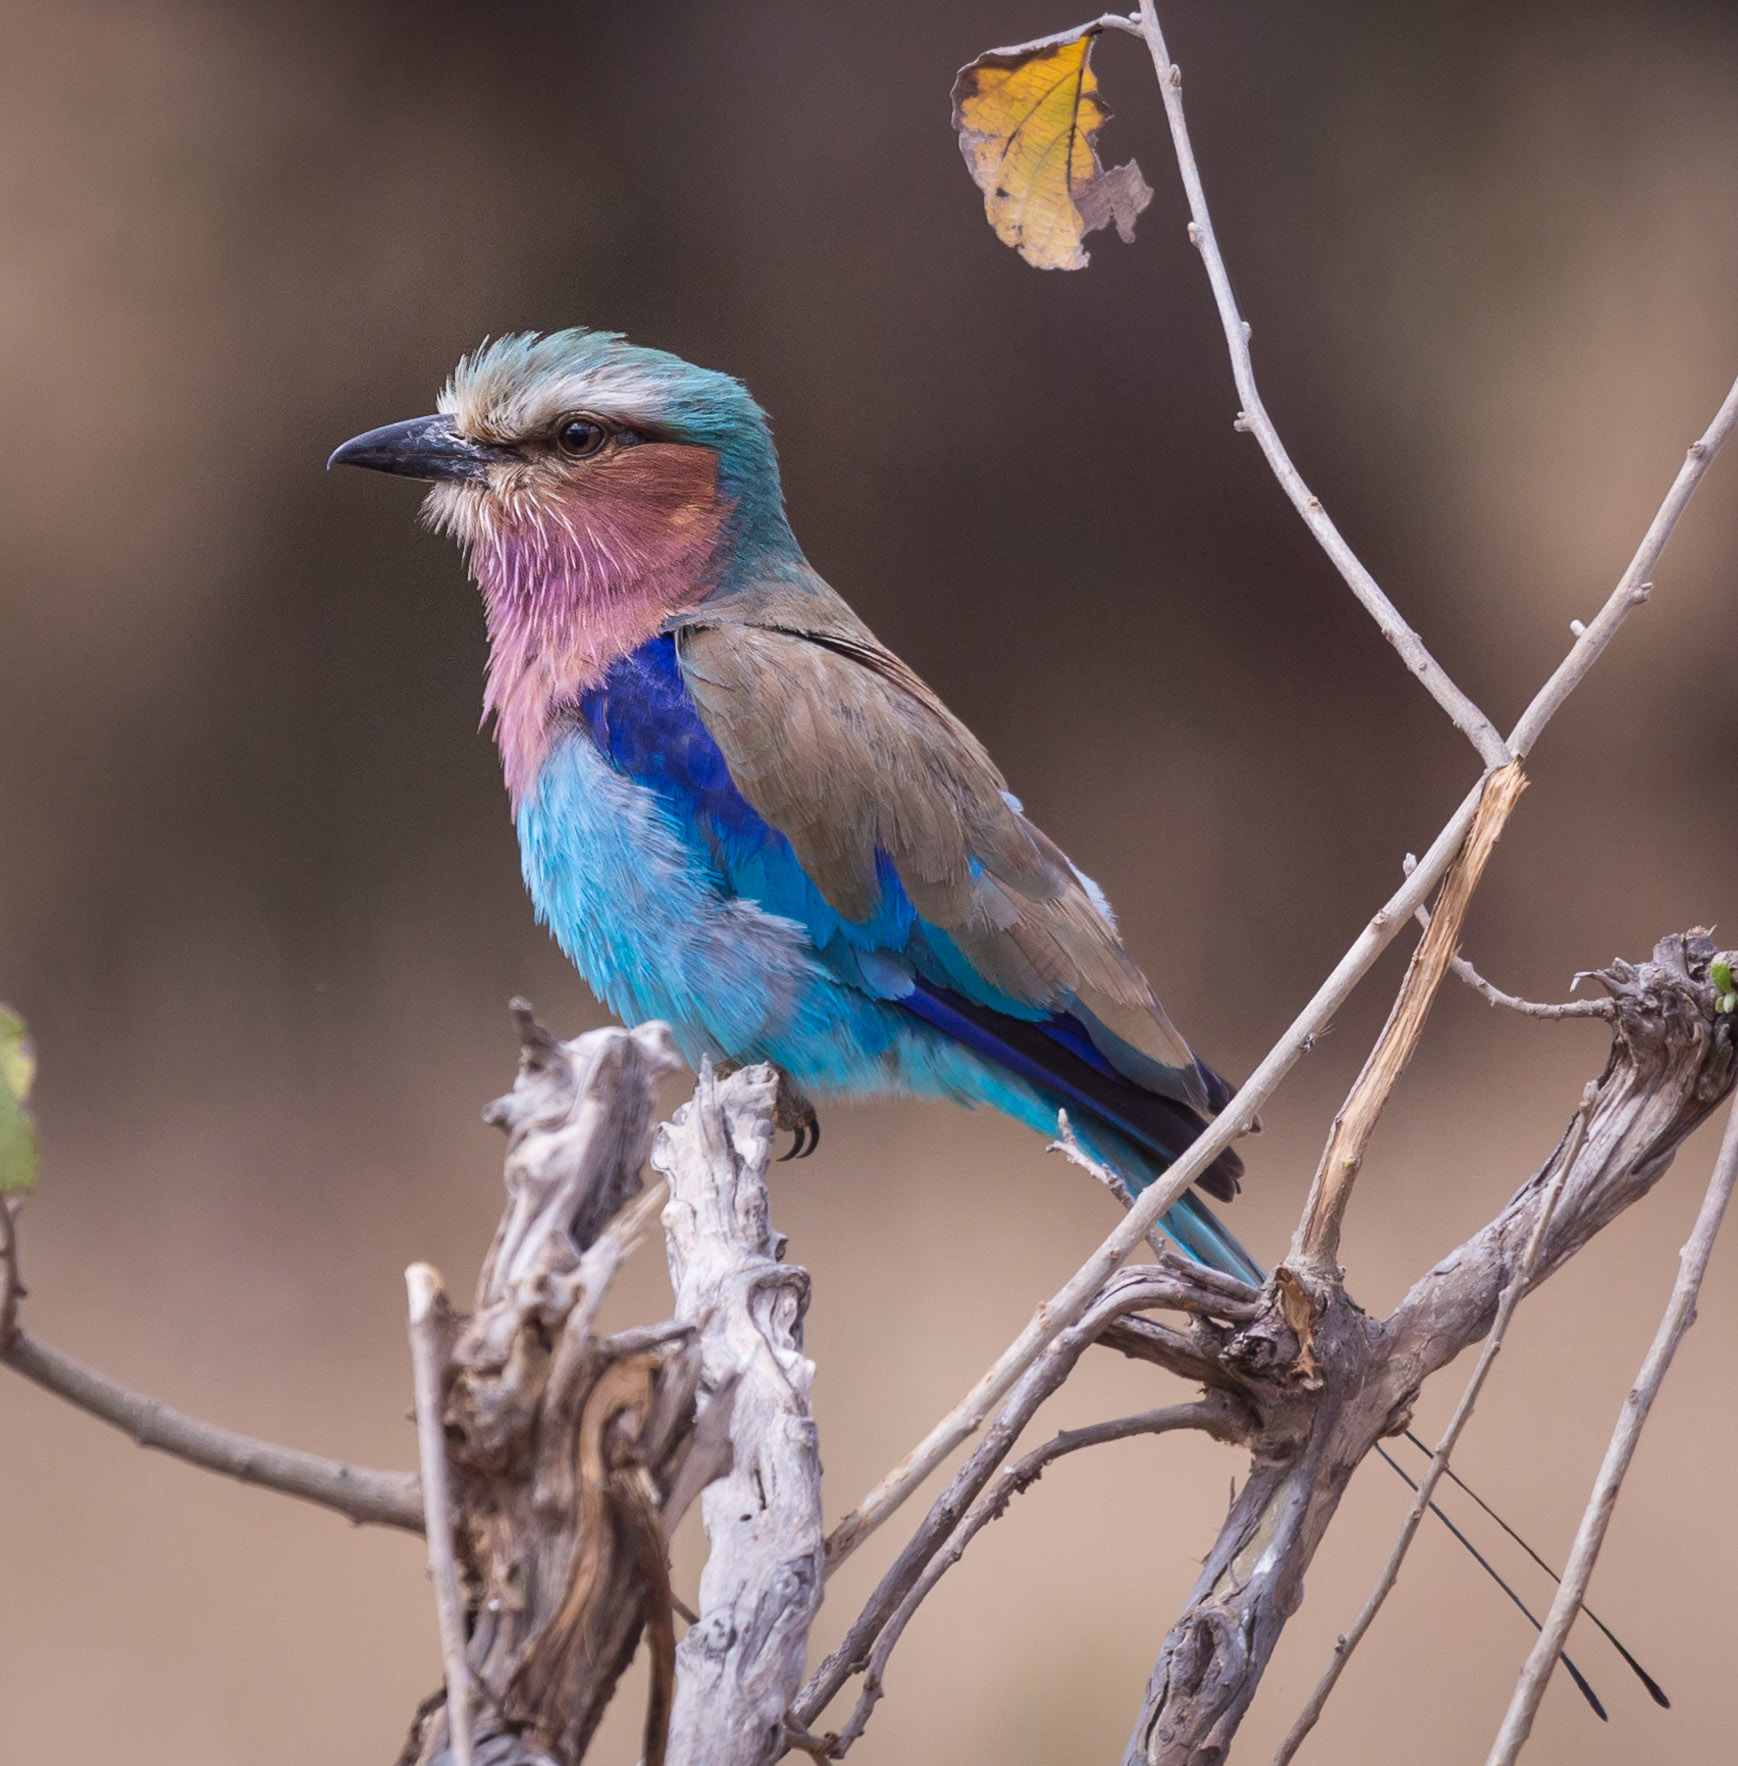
column 1425, row 1488
column 572, row 1456
column 1326, row 1382
column 740, row 1665
column 1680, row 1314
column 566, row 1450
column 1176, row 1284
column 431, row 1325
column 1316, row 1242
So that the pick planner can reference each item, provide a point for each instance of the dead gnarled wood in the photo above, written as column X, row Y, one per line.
column 1327, row 1382
column 741, row 1662
column 573, row 1456
column 567, row 1452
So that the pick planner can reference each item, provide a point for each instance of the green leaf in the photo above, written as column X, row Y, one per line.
column 17, row 1130
column 1720, row 973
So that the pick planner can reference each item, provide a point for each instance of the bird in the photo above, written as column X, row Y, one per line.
column 739, row 812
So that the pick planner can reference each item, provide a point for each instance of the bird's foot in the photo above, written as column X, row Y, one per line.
column 795, row 1113
column 791, row 1111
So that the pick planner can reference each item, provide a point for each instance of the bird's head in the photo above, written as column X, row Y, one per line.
column 597, row 488
column 587, row 427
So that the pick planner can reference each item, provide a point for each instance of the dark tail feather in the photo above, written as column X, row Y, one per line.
column 1489, row 1569
column 1655, row 1691
column 1056, row 1056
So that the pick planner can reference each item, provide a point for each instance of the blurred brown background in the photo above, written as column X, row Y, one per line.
column 259, row 893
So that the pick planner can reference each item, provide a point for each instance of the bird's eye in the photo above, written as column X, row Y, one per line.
column 580, row 437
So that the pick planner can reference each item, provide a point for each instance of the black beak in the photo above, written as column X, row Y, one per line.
column 429, row 448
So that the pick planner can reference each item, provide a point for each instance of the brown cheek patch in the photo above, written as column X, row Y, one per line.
column 672, row 483
column 646, row 524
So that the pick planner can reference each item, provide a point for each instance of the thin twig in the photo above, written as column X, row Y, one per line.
column 1590, row 1008
column 1680, row 1314
column 1529, row 1008
column 1201, row 1414
column 1633, row 587
column 1318, row 1234
column 385, row 1499
column 428, row 1354
column 1253, row 418
column 1426, row 1486
column 1067, row 1143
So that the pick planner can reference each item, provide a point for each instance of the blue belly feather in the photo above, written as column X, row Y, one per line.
column 638, row 902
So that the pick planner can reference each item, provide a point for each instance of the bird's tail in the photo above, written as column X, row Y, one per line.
column 1191, row 1225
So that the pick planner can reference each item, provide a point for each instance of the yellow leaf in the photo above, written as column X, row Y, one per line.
column 1028, row 119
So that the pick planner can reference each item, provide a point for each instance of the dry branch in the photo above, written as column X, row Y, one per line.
column 1176, row 1284
column 388, row 1499
column 741, row 1663
column 1215, row 1415
column 1254, row 419
column 430, row 1331
column 1672, row 1061
column 1680, row 1314
column 565, row 1450
column 1425, row 1488
column 1317, row 1242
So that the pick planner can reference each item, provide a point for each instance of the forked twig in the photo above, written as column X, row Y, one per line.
column 1126, row 1293
column 1425, row 1489
column 1679, row 1315
column 1527, row 1008
column 428, row 1354
column 1588, row 1008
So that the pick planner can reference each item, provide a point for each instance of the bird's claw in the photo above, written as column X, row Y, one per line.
column 794, row 1113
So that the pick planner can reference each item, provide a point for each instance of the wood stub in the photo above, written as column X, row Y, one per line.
column 565, row 1447
column 740, row 1666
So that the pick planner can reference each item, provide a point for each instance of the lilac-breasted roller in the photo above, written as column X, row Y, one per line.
column 737, row 811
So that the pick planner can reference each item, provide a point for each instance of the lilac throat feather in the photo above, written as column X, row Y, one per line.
column 570, row 584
